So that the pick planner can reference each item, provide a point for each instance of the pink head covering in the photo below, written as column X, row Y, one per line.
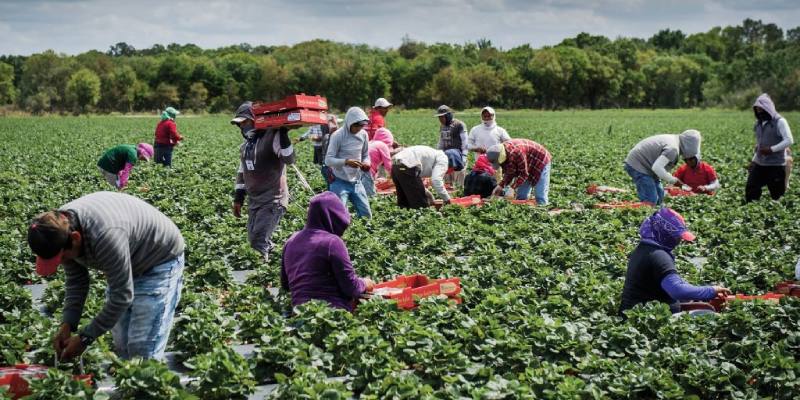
column 482, row 164
column 145, row 150
column 384, row 135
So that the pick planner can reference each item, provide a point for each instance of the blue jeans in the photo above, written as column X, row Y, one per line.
column 647, row 187
column 163, row 154
column 144, row 328
column 368, row 183
column 541, row 190
column 354, row 191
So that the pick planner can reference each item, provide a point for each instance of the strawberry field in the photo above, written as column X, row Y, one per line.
column 540, row 290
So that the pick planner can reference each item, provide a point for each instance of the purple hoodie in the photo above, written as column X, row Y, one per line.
column 316, row 264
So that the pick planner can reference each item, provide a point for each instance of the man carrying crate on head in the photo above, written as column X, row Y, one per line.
column 261, row 177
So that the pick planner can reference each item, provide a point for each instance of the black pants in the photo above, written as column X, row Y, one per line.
column 163, row 154
column 410, row 189
column 773, row 177
column 319, row 158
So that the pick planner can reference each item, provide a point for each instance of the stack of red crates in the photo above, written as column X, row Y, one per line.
column 15, row 379
column 414, row 287
column 298, row 109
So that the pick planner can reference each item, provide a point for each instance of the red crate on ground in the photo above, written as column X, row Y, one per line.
column 291, row 117
column 790, row 288
column 16, row 378
column 467, row 201
column 621, row 204
column 595, row 189
column 529, row 202
column 407, row 289
column 301, row 100
column 677, row 192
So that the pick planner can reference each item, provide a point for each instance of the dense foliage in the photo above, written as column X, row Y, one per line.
column 725, row 66
column 541, row 291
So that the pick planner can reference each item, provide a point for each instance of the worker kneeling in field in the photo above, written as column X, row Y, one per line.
column 698, row 175
column 649, row 162
column 262, row 177
column 117, row 162
column 481, row 179
column 651, row 274
column 139, row 251
column 316, row 264
column 526, row 165
column 412, row 164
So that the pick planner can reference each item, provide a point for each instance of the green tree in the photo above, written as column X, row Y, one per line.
column 8, row 93
column 119, row 89
column 198, row 94
column 450, row 87
column 83, row 90
column 165, row 95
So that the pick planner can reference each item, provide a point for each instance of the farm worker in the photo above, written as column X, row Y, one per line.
column 412, row 164
column 167, row 137
column 117, row 162
column 487, row 134
column 649, row 162
column 348, row 157
column 262, row 177
column 452, row 135
column 379, row 155
column 652, row 275
column 698, row 175
column 333, row 125
column 316, row 263
column 315, row 133
column 139, row 252
column 377, row 117
column 773, row 137
column 526, row 165
column 481, row 180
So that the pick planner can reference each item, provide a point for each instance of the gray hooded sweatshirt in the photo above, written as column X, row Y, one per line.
column 646, row 156
column 774, row 133
column 344, row 145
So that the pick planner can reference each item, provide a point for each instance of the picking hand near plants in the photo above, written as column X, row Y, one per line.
column 651, row 274
column 139, row 251
column 650, row 161
column 117, row 162
column 697, row 176
column 525, row 165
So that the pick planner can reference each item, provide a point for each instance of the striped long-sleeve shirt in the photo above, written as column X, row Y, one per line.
column 123, row 237
column 525, row 160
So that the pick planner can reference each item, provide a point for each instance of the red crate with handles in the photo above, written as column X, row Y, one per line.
column 291, row 118
column 621, row 204
column 317, row 103
column 789, row 288
column 407, row 289
column 16, row 378
column 678, row 192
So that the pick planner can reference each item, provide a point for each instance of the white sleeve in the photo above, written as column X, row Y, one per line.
column 437, row 179
column 713, row 186
column 786, row 135
column 471, row 145
column 503, row 135
column 659, row 168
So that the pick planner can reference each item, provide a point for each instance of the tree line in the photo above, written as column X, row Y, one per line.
column 725, row 67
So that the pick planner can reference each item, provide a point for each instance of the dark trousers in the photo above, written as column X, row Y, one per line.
column 773, row 177
column 163, row 154
column 410, row 189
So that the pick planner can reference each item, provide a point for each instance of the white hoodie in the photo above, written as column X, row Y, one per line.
column 486, row 135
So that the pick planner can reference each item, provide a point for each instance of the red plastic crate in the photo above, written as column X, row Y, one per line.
column 529, row 202
column 317, row 103
column 621, row 204
column 468, row 201
column 414, row 287
column 291, row 117
column 16, row 378
column 791, row 288
column 677, row 192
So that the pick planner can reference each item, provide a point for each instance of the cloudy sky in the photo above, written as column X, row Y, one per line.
column 75, row 26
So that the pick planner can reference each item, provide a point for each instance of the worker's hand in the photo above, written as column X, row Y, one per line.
column 446, row 201
column 722, row 291
column 72, row 349
column 237, row 209
column 61, row 337
column 686, row 188
column 764, row 150
column 352, row 163
column 369, row 284
column 480, row 150
column 365, row 167
column 498, row 191
column 702, row 189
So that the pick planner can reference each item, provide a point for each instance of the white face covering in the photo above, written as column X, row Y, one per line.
column 489, row 123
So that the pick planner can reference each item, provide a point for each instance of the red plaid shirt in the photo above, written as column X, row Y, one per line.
column 525, row 160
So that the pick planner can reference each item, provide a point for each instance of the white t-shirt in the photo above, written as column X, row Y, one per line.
column 481, row 136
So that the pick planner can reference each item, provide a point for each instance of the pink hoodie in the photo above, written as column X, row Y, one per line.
column 379, row 154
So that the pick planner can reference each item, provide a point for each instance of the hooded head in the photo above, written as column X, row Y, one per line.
column 446, row 112
column 169, row 113
column 690, row 144
column 384, row 135
column 766, row 104
column 482, row 165
column 455, row 160
column 145, row 150
column 355, row 115
column 665, row 229
column 491, row 122
column 326, row 212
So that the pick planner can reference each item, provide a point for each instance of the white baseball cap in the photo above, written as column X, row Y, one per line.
column 381, row 102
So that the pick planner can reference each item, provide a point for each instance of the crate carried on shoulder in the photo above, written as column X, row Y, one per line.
column 298, row 109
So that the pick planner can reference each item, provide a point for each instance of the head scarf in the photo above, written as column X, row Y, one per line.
column 664, row 229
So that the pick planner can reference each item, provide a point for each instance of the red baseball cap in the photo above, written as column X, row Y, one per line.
column 48, row 236
column 48, row 266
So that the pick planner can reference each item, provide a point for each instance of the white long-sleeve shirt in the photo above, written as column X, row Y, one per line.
column 432, row 163
column 786, row 137
column 660, row 169
column 482, row 137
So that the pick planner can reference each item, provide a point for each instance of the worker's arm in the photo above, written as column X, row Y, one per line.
column 659, row 168
column 437, row 177
column 123, row 175
column 463, row 136
column 349, row 283
column 286, row 153
column 680, row 290
column 711, row 187
column 786, row 136
column 472, row 144
column 239, row 191
column 365, row 161
column 333, row 147
column 284, row 276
